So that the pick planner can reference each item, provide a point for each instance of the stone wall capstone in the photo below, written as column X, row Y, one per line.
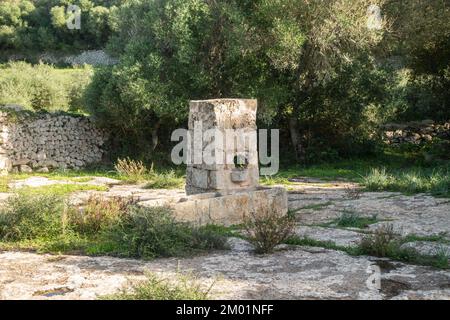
column 40, row 142
column 416, row 132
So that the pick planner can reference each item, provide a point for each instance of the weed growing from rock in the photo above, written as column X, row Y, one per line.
column 181, row 287
column 266, row 229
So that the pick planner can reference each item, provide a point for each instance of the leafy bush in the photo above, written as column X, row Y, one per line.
column 42, row 87
column 98, row 213
column 381, row 243
column 266, row 229
column 183, row 287
column 25, row 217
column 436, row 182
column 153, row 232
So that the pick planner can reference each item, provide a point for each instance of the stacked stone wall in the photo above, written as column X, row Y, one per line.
column 40, row 142
column 416, row 132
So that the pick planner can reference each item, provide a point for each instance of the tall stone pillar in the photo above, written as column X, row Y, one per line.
column 222, row 150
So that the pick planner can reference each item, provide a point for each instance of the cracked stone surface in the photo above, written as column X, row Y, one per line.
column 339, row 236
column 290, row 273
column 295, row 273
column 419, row 214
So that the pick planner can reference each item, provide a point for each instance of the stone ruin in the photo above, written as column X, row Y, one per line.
column 223, row 193
column 233, row 122
column 415, row 132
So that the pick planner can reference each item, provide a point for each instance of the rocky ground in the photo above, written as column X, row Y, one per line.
column 292, row 272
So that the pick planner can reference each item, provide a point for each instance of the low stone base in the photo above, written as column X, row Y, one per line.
column 213, row 208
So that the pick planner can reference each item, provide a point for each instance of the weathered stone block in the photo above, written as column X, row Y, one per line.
column 223, row 129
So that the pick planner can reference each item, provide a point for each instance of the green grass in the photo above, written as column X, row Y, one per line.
column 4, row 183
column 350, row 219
column 390, row 171
column 61, row 189
column 164, row 180
column 180, row 287
column 43, row 86
column 83, row 175
column 392, row 251
column 316, row 206
column 431, row 238
column 47, row 223
column 435, row 182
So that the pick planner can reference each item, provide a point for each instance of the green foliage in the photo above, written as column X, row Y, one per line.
column 102, row 226
column 152, row 232
column 97, row 214
column 42, row 87
column 350, row 219
column 385, row 243
column 26, row 217
column 164, row 180
column 4, row 183
column 183, row 287
column 41, row 25
column 131, row 170
column 61, row 189
column 266, row 229
column 436, row 182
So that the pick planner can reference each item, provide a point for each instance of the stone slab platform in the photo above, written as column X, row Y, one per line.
column 214, row 208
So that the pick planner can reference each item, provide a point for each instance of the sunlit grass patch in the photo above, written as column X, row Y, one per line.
column 179, row 287
column 436, row 182
column 61, row 189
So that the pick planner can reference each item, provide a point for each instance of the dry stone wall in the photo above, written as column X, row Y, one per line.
column 416, row 132
column 31, row 142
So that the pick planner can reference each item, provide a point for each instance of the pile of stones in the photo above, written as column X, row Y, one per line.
column 416, row 132
column 41, row 142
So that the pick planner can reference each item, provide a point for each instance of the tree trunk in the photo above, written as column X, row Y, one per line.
column 155, row 139
column 295, row 138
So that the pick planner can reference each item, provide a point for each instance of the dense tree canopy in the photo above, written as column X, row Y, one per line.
column 320, row 72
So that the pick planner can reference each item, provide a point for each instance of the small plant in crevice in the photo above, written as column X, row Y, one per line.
column 267, row 228
column 381, row 243
column 179, row 287
column 350, row 219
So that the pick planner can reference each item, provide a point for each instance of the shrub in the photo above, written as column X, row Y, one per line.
column 27, row 217
column 131, row 169
column 98, row 213
column 183, row 287
column 381, row 243
column 153, row 232
column 43, row 87
column 267, row 228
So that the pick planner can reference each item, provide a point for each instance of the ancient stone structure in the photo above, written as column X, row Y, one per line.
column 415, row 132
column 225, row 131
column 39, row 142
column 225, row 190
